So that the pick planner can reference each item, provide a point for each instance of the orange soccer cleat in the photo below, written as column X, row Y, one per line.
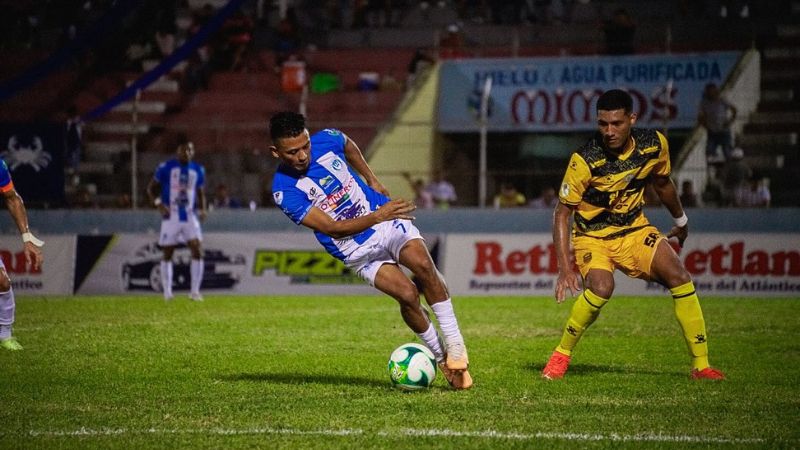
column 556, row 367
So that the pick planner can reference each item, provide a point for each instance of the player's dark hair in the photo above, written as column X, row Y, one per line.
column 615, row 99
column 181, row 139
column 286, row 124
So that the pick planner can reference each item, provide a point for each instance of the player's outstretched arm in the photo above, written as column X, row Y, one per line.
column 202, row 203
column 567, row 277
column 319, row 221
column 668, row 194
column 32, row 245
column 356, row 159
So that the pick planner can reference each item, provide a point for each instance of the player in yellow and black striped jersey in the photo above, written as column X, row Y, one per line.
column 603, row 192
column 607, row 190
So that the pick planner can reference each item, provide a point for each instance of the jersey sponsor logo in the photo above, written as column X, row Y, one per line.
column 278, row 197
column 564, row 190
column 351, row 212
column 303, row 267
column 338, row 197
column 324, row 182
column 332, row 131
column 30, row 153
column 337, row 164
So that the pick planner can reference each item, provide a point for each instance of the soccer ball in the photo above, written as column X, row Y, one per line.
column 412, row 367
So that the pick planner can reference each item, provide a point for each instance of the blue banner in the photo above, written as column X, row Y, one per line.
column 34, row 154
column 559, row 94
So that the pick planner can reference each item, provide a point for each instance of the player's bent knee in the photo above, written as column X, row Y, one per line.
column 408, row 297
column 601, row 287
column 680, row 278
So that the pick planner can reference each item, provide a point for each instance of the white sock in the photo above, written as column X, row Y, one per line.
column 431, row 339
column 166, row 278
column 7, row 308
column 197, row 275
column 447, row 322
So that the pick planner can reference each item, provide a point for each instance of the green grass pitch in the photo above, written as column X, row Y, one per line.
column 310, row 372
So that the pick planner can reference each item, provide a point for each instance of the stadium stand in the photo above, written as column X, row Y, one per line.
column 229, row 117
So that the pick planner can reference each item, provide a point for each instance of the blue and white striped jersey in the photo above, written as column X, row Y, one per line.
column 330, row 185
column 179, row 185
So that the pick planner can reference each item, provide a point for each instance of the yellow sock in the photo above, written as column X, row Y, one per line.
column 584, row 312
column 690, row 316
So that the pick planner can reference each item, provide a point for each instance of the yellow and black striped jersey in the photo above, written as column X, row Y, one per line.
column 608, row 190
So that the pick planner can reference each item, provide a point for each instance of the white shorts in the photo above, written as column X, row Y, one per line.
column 175, row 232
column 381, row 248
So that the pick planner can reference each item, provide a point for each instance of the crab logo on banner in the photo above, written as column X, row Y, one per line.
column 34, row 154
column 26, row 153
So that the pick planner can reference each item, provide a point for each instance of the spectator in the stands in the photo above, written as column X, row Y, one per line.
column 223, row 199
column 238, row 32
column 451, row 45
column 165, row 29
column 422, row 197
column 712, row 193
column 688, row 196
column 547, row 199
column 198, row 70
column 73, row 142
column 85, row 198
column 421, row 60
column 717, row 115
column 509, row 196
column 476, row 11
column 756, row 194
column 442, row 191
column 382, row 13
column 735, row 175
column 287, row 39
column 619, row 32
column 123, row 201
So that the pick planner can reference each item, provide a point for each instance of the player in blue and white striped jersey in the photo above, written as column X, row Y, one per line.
column 177, row 190
column 357, row 222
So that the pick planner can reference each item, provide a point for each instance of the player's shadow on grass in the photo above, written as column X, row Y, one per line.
column 590, row 369
column 296, row 378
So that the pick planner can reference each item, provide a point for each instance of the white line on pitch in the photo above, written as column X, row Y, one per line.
column 614, row 437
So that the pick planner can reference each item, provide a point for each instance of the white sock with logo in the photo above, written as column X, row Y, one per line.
column 7, row 308
column 166, row 278
column 197, row 275
column 431, row 339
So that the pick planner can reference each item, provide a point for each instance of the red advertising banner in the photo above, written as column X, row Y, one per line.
column 721, row 264
column 55, row 277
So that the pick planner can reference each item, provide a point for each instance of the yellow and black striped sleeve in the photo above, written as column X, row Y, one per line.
column 576, row 180
column 662, row 166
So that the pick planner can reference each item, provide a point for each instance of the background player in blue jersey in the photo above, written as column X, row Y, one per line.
column 33, row 256
column 177, row 190
column 356, row 222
